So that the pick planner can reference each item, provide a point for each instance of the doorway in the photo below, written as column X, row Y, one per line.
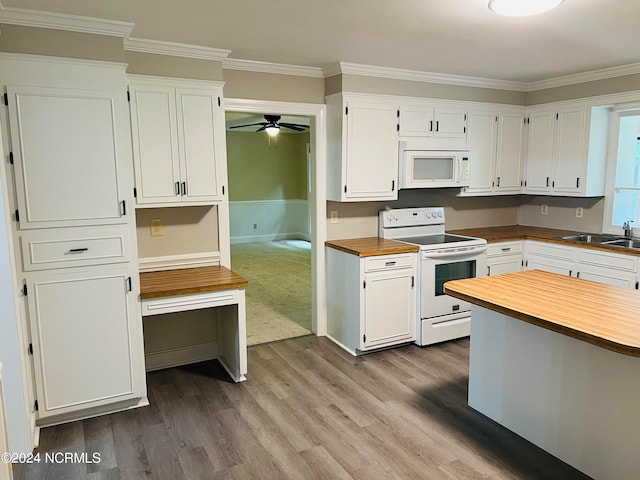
column 316, row 115
column 269, row 221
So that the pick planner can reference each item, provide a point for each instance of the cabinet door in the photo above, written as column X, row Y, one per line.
column 482, row 150
column 504, row 264
column 539, row 152
column 509, row 152
column 70, row 150
column 87, row 339
column 450, row 122
column 155, row 143
column 415, row 121
column 606, row 275
column 569, row 153
column 201, row 132
column 371, row 152
column 548, row 264
column 389, row 308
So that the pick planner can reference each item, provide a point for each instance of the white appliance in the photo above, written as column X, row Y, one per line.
column 424, row 168
column 442, row 257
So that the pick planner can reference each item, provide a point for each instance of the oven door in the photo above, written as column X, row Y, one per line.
column 440, row 266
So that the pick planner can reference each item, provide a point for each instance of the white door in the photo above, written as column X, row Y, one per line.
column 482, row 150
column 70, row 149
column 569, row 152
column 87, row 339
column 389, row 307
column 547, row 264
column 509, row 152
column 415, row 121
column 609, row 276
column 450, row 122
column 539, row 152
column 371, row 152
column 506, row 264
column 155, row 143
column 200, row 130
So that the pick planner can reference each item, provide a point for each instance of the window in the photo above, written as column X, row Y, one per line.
column 626, row 183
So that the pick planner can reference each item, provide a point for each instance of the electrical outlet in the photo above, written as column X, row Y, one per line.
column 334, row 216
column 544, row 209
column 157, row 227
column 579, row 212
column 255, row 226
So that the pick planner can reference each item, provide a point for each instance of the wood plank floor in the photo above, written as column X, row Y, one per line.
column 308, row 410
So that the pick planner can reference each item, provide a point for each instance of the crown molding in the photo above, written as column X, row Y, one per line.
column 419, row 76
column 594, row 75
column 60, row 21
column 160, row 47
column 266, row 67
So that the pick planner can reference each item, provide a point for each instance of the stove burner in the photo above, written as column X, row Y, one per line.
column 437, row 239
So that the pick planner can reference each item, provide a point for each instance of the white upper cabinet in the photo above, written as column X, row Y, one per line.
column 68, row 149
column 427, row 120
column 362, row 149
column 566, row 150
column 495, row 149
column 179, row 143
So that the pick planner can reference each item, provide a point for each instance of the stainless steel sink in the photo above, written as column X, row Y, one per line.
column 604, row 239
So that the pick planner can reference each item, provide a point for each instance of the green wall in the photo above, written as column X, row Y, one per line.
column 258, row 171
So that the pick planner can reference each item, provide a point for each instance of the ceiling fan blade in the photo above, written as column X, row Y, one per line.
column 262, row 128
column 294, row 126
column 249, row 125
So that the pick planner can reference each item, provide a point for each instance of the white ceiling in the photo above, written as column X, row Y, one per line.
column 460, row 37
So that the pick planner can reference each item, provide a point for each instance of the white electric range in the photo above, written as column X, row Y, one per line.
column 442, row 257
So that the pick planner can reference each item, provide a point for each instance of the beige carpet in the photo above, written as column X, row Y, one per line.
column 279, row 293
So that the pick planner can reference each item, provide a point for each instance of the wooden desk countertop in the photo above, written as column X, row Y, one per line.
column 167, row 283
column 370, row 246
column 600, row 314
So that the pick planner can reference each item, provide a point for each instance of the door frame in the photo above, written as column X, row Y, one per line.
column 318, row 198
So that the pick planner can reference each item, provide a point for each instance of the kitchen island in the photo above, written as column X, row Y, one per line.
column 556, row 360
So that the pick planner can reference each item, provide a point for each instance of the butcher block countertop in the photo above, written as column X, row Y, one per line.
column 370, row 246
column 603, row 315
column 167, row 283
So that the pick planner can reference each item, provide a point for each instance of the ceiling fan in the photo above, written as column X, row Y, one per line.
column 273, row 124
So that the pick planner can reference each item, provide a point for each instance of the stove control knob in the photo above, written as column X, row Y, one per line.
column 440, row 214
column 428, row 214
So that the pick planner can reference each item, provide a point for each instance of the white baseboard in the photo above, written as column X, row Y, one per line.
column 181, row 356
column 174, row 262
column 271, row 237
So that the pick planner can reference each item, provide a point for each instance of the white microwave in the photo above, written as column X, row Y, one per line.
column 433, row 168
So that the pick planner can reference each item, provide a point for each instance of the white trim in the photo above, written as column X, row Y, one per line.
column 63, row 21
column 175, row 262
column 318, row 198
column 419, row 76
column 267, row 67
column 271, row 237
column 180, row 356
column 30, row 58
column 174, row 81
column 590, row 76
column 160, row 47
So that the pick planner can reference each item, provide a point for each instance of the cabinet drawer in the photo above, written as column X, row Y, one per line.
column 389, row 262
column 504, row 248
column 59, row 248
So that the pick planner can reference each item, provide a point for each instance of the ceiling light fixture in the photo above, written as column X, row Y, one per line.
column 272, row 130
column 521, row 8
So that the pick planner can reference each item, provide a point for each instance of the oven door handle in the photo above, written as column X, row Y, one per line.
column 454, row 255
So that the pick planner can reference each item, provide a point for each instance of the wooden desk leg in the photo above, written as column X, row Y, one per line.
column 232, row 338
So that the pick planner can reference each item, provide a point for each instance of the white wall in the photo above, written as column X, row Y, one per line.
column 273, row 219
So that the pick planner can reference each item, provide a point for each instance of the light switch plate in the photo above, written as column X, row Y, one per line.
column 157, row 227
column 334, row 216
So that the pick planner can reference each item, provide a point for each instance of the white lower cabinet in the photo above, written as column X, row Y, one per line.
column 504, row 257
column 371, row 300
column 607, row 267
column 87, row 339
column 549, row 257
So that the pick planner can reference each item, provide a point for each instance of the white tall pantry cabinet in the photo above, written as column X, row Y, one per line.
column 66, row 127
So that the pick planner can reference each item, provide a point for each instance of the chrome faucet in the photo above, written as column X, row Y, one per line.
column 626, row 226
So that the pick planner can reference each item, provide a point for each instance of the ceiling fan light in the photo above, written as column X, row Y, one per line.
column 272, row 130
column 521, row 8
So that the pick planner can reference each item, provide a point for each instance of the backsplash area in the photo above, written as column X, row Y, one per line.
column 360, row 219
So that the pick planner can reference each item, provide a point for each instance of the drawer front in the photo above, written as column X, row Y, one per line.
column 389, row 262
column 550, row 250
column 195, row 301
column 610, row 260
column 53, row 248
column 504, row 248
